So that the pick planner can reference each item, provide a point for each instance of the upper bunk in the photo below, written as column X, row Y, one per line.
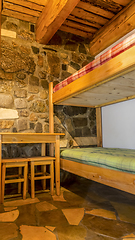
column 108, row 79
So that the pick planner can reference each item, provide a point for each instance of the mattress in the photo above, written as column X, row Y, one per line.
column 113, row 52
column 111, row 158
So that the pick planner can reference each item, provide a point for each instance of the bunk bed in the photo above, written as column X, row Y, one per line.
column 107, row 80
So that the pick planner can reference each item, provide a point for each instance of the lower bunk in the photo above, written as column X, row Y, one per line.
column 109, row 166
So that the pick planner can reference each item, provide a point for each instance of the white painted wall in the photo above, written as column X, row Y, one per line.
column 118, row 125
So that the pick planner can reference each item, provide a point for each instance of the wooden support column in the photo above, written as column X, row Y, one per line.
column 57, row 165
column 51, row 119
column 0, row 28
column 99, row 126
column 0, row 166
column 120, row 25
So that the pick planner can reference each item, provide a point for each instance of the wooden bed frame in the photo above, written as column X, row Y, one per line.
column 107, row 84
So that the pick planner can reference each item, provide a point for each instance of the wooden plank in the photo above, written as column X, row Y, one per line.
column 20, row 9
column 99, row 127
column 123, row 63
column 76, row 31
column 52, row 17
column 83, row 21
column 89, row 16
column 29, row 137
column 122, row 2
column 105, row 4
column 79, row 26
column 27, row 4
column 40, row 2
column 120, row 180
column 21, row 16
column 97, row 10
column 114, row 30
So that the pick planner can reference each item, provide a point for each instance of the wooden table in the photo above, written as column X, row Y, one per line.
column 43, row 138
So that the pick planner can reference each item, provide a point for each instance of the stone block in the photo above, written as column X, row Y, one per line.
column 80, row 122
column 6, row 100
column 20, row 93
column 6, row 124
column 8, row 113
column 54, row 64
column 33, row 117
column 40, row 61
column 22, row 125
column 74, row 111
column 20, row 103
column 38, row 106
column 38, row 127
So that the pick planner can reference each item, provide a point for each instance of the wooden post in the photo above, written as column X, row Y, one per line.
column 0, row 165
column 57, row 165
column 51, row 119
column 0, row 28
column 43, row 153
column 99, row 126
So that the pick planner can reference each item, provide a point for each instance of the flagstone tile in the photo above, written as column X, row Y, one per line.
column 73, row 199
column 107, row 227
column 64, row 189
column 7, row 209
column 93, row 236
column 36, row 233
column 45, row 206
column 8, row 231
column 27, row 215
column 74, row 216
column 125, row 212
column 102, row 213
column 59, row 198
column 52, row 218
column 71, row 233
column 129, row 237
column 50, row 228
column 21, row 202
column 9, row 216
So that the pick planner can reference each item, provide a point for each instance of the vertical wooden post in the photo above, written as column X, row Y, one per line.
column 0, row 28
column 43, row 153
column 0, row 165
column 99, row 126
column 57, row 165
column 51, row 119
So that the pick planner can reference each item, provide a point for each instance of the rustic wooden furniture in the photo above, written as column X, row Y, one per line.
column 43, row 175
column 43, row 138
column 112, row 82
column 19, row 178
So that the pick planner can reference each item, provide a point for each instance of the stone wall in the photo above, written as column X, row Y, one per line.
column 25, row 72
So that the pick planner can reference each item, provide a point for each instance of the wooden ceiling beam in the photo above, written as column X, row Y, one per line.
column 121, row 24
column 96, row 10
column 52, row 17
column 76, row 31
column 26, row 4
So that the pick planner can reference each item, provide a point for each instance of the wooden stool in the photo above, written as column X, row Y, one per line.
column 18, row 178
column 43, row 162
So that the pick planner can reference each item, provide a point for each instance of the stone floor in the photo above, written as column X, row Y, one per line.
column 85, row 210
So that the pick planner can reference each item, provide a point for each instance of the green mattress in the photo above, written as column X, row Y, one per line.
column 111, row 158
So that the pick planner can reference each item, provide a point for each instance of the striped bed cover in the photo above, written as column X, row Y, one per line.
column 111, row 158
column 113, row 52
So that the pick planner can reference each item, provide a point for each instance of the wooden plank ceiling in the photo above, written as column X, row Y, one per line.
column 86, row 18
